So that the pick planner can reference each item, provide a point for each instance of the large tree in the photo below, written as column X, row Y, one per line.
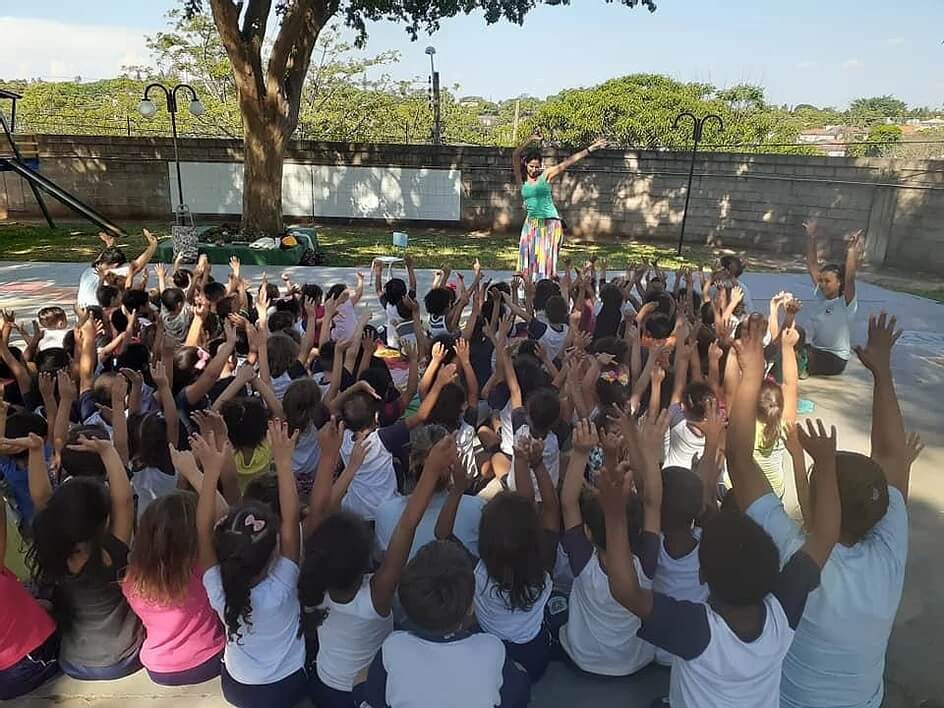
column 270, row 90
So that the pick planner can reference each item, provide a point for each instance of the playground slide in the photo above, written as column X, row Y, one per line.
column 47, row 185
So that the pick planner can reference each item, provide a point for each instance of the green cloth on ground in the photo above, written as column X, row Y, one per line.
column 220, row 255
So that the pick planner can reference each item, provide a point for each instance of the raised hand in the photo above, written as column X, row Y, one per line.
column 159, row 374
column 790, row 337
column 283, row 444
column 462, row 352
column 712, row 427
column 913, row 448
column 330, row 436
column 750, row 347
column 99, row 446
column 820, row 445
column 47, row 385
column 442, row 456
column 877, row 353
column 586, row 436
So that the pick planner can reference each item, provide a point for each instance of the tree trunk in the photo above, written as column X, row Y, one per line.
column 264, row 144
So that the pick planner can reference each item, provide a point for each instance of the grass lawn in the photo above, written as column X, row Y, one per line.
column 349, row 246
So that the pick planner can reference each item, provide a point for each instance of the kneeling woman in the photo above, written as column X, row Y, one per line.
column 829, row 345
column 542, row 233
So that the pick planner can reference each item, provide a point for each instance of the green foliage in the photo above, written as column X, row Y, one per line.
column 639, row 111
column 866, row 111
column 880, row 141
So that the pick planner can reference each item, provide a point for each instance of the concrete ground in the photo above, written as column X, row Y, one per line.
column 913, row 674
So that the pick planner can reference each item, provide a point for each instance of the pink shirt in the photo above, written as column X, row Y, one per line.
column 24, row 625
column 180, row 637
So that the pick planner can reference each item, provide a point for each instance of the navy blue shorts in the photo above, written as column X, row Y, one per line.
column 125, row 667
column 286, row 692
column 324, row 696
column 209, row 669
column 32, row 671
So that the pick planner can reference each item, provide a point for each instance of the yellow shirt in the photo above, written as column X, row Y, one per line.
column 258, row 464
column 770, row 459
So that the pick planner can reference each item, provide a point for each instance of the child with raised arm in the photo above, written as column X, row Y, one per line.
column 599, row 635
column 29, row 643
column 80, row 550
column 184, row 643
column 350, row 608
column 250, row 561
column 829, row 345
column 517, row 552
column 730, row 649
column 437, row 661
column 838, row 654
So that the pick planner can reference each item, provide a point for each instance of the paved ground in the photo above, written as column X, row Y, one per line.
column 913, row 673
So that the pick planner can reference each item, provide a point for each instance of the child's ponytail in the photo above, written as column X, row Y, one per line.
column 244, row 542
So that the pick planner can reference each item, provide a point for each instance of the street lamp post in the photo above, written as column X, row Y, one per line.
column 434, row 82
column 147, row 108
column 698, row 128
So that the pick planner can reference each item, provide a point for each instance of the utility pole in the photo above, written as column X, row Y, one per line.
column 514, row 132
column 435, row 97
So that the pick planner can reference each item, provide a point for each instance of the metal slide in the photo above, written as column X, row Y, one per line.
column 53, row 189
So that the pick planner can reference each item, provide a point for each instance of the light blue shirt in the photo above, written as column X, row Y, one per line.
column 831, row 328
column 466, row 528
column 837, row 659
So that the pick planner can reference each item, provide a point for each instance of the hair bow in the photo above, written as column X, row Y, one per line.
column 256, row 524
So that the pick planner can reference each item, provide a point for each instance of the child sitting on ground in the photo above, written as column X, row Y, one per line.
column 598, row 634
column 250, row 572
column 350, row 608
column 730, row 649
column 472, row 670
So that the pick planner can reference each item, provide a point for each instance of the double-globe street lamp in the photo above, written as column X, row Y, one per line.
column 148, row 108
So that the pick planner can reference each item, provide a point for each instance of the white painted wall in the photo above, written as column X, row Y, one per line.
column 329, row 191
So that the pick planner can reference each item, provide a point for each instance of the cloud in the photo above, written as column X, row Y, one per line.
column 893, row 42
column 806, row 64
column 36, row 48
column 852, row 64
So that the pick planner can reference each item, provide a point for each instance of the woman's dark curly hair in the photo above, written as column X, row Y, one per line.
column 244, row 541
column 509, row 539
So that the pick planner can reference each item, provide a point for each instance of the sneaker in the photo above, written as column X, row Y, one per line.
column 803, row 364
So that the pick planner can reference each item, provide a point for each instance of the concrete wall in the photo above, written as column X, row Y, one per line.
column 740, row 201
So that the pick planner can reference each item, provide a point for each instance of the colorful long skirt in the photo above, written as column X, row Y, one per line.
column 539, row 247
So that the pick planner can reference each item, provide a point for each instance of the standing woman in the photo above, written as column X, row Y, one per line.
column 542, row 233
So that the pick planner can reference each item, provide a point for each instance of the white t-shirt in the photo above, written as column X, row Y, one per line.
column 89, row 282
column 682, row 443
column 679, row 579
column 349, row 637
column 460, row 671
column 280, row 385
column 466, row 527
column 149, row 484
column 600, row 634
column 838, row 655
column 271, row 649
column 496, row 617
column 307, row 452
column 345, row 322
column 550, row 338
column 831, row 325
column 551, row 454
column 376, row 480
column 52, row 339
column 716, row 667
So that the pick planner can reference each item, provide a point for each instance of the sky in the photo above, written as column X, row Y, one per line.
column 800, row 51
